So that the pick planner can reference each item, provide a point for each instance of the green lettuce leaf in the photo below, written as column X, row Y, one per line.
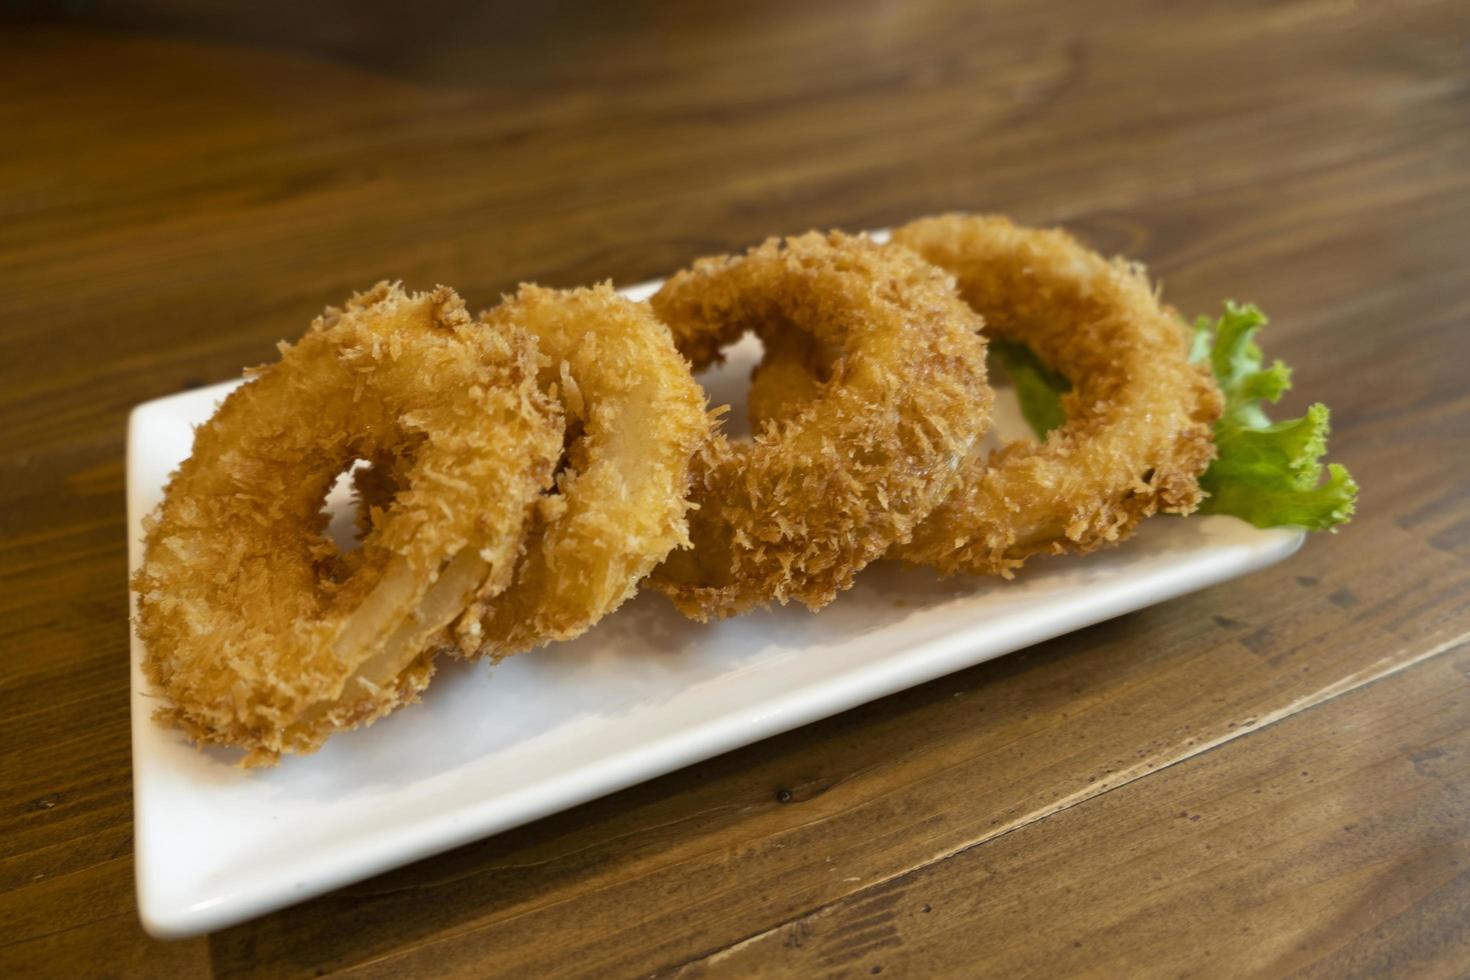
column 1268, row 473
column 1039, row 388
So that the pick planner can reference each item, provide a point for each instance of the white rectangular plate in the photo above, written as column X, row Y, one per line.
column 643, row 693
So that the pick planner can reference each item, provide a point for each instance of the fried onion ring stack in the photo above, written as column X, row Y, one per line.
column 530, row 469
column 260, row 632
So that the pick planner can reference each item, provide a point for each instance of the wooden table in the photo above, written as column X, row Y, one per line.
column 1269, row 778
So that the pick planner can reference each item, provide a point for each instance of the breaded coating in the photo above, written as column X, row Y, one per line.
column 1138, row 431
column 530, row 468
column 635, row 417
column 260, row 632
column 799, row 509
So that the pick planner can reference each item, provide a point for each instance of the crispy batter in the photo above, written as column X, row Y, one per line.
column 1139, row 415
column 796, row 511
column 260, row 633
column 1138, row 430
column 868, row 411
column 635, row 418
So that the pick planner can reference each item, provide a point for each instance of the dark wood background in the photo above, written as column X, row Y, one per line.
column 1269, row 778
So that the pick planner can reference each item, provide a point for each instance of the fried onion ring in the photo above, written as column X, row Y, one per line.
column 797, row 510
column 1138, row 429
column 260, row 632
column 635, row 417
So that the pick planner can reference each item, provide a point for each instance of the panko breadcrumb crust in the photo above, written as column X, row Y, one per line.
column 259, row 632
column 529, row 469
column 1139, row 417
column 796, row 511
column 635, row 417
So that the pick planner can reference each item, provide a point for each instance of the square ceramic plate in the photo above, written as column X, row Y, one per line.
column 643, row 693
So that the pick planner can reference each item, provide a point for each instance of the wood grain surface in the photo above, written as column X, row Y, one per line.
column 1271, row 778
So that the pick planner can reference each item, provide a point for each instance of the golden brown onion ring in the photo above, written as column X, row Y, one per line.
column 1139, row 416
column 260, row 633
column 796, row 511
column 635, row 417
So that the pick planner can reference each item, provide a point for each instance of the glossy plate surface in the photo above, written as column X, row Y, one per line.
column 642, row 694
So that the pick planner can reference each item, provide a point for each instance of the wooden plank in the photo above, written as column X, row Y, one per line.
column 1335, row 844
column 1309, row 156
column 275, row 184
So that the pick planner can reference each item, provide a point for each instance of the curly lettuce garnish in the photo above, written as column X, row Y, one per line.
column 1268, row 473
column 1039, row 388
